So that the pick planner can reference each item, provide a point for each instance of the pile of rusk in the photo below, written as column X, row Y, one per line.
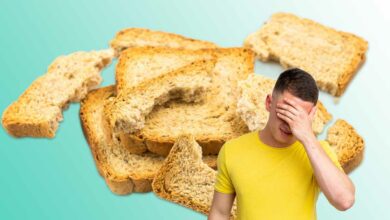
column 177, row 100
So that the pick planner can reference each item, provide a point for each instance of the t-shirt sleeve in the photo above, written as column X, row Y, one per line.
column 331, row 154
column 223, row 182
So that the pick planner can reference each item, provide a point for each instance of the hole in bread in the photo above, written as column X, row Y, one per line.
column 69, row 75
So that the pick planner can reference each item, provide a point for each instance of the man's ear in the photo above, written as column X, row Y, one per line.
column 268, row 101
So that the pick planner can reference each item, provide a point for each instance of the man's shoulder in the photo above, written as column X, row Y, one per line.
column 240, row 141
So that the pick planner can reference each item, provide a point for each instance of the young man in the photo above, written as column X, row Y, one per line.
column 278, row 172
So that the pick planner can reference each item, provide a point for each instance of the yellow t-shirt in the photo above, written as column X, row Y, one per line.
column 270, row 183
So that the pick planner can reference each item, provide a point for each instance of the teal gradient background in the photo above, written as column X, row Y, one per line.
column 57, row 178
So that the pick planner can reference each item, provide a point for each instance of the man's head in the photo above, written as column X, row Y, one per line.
column 294, row 84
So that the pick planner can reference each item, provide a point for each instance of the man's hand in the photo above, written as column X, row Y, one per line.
column 297, row 118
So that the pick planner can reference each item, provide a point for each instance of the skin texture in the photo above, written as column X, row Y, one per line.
column 290, row 120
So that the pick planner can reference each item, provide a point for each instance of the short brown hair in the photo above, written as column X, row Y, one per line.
column 299, row 83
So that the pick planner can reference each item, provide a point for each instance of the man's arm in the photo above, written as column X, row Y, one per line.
column 221, row 206
column 334, row 183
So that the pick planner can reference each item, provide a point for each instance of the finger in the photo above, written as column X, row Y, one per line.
column 287, row 107
column 284, row 118
column 292, row 103
column 286, row 113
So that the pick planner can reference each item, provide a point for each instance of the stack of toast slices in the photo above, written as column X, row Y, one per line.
column 124, row 172
column 212, row 119
column 177, row 100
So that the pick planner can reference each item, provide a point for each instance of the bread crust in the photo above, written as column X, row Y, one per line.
column 118, row 184
column 141, row 37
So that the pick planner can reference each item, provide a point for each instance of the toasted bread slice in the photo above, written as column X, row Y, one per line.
column 139, row 64
column 332, row 57
column 212, row 122
column 38, row 111
column 141, row 37
column 123, row 172
column 347, row 144
column 189, row 83
column 185, row 179
column 251, row 104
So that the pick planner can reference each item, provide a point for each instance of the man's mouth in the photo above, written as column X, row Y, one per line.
column 285, row 132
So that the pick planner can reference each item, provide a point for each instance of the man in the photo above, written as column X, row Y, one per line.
column 278, row 172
